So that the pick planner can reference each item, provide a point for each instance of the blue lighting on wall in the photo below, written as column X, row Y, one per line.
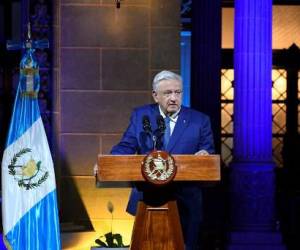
column 185, row 66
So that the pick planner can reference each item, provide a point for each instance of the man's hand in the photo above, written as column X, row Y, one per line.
column 202, row 152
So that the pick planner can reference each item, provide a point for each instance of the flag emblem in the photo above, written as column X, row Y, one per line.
column 27, row 172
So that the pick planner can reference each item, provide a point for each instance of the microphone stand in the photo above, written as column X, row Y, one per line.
column 154, row 139
column 156, row 135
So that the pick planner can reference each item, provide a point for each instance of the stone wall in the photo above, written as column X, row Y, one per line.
column 104, row 62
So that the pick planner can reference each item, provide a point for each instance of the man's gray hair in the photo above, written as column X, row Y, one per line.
column 165, row 75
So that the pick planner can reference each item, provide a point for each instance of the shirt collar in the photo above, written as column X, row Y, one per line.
column 173, row 117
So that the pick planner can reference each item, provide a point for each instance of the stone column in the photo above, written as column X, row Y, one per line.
column 252, row 176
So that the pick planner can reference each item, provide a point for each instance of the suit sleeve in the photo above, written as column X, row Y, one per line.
column 206, row 137
column 128, row 143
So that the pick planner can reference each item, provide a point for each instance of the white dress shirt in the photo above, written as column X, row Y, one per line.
column 173, row 119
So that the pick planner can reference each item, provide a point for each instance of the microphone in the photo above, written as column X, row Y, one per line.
column 159, row 132
column 147, row 125
column 148, row 130
column 161, row 124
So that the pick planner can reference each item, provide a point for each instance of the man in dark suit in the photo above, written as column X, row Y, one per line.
column 189, row 133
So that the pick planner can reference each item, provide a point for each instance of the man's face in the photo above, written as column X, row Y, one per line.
column 168, row 95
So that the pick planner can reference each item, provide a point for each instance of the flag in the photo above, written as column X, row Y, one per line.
column 29, row 202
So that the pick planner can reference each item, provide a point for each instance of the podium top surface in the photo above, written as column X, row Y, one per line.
column 128, row 168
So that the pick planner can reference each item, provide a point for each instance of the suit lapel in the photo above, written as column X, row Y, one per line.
column 181, row 125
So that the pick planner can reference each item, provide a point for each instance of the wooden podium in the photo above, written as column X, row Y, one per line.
column 158, row 228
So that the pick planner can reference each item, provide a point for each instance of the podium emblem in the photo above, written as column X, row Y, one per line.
column 159, row 167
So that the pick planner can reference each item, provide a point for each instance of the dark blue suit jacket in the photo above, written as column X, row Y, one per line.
column 192, row 133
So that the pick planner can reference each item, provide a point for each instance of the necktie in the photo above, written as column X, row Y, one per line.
column 167, row 133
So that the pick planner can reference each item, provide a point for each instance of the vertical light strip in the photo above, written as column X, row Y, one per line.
column 185, row 67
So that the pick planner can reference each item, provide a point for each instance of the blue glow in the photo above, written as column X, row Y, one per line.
column 253, row 84
column 185, row 67
column 2, row 246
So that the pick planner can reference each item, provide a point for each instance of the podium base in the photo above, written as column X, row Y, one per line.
column 157, row 228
